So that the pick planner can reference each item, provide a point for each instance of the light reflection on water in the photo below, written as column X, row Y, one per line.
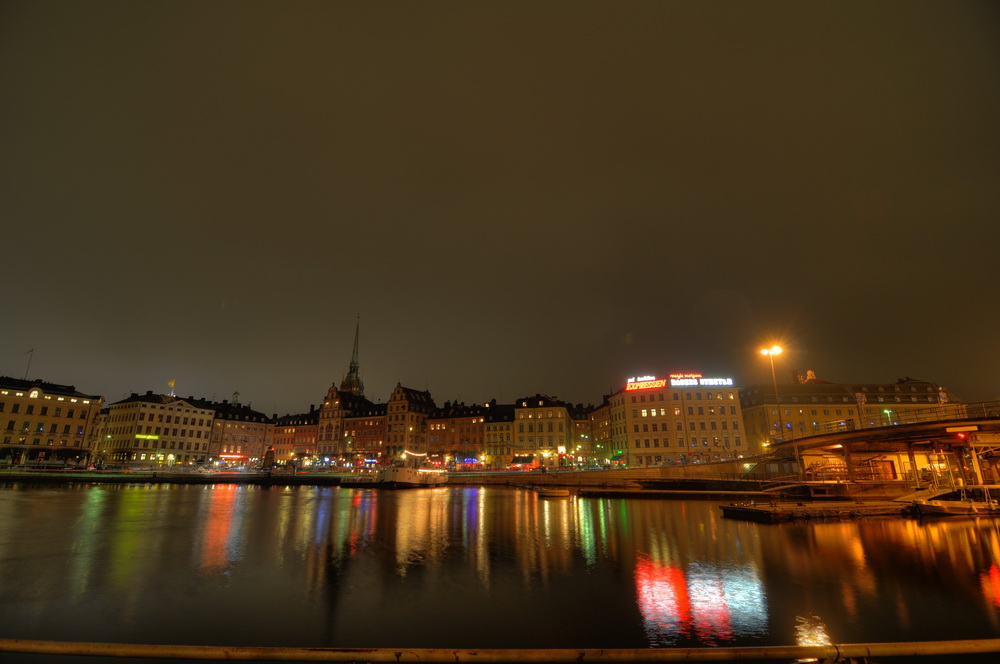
column 468, row 567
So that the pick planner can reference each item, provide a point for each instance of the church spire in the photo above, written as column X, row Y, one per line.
column 352, row 381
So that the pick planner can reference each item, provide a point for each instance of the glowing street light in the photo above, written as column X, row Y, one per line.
column 771, row 352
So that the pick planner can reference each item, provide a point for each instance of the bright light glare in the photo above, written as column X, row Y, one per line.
column 773, row 350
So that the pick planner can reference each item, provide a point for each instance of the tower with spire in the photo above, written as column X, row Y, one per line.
column 352, row 381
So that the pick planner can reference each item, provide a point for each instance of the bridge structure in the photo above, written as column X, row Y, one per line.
column 953, row 446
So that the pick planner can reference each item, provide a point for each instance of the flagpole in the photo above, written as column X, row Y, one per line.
column 30, row 355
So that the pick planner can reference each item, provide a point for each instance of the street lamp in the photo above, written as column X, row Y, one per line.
column 771, row 352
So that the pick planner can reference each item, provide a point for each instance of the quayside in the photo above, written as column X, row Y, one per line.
column 853, row 652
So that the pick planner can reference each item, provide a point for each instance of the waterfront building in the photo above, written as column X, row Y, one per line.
column 364, row 435
column 456, row 436
column 334, row 438
column 603, row 450
column 47, row 423
column 336, row 445
column 406, row 421
column 498, row 431
column 808, row 405
column 240, row 434
column 157, row 430
column 581, row 443
column 295, row 437
column 544, row 430
column 680, row 418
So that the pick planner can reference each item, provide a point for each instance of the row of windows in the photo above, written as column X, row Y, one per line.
column 929, row 399
column 695, row 442
column 701, row 410
column 150, row 430
column 171, row 445
column 43, row 411
column 709, row 396
column 530, row 440
column 38, row 441
column 531, row 427
column 40, row 427
column 712, row 425
column 176, row 419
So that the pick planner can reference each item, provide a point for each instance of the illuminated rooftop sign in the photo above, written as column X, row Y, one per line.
column 645, row 383
column 697, row 380
column 676, row 380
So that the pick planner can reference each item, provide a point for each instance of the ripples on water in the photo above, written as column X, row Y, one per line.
column 466, row 567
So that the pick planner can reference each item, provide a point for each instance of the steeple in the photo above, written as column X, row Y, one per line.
column 352, row 381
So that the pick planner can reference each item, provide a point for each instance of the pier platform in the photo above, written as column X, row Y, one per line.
column 804, row 511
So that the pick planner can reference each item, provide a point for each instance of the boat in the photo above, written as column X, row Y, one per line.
column 972, row 500
column 395, row 477
column 553, row 493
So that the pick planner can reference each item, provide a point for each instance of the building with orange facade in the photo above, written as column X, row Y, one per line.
column 456, row 436
column 47, row 423
column 295, row 437
column 406, row 422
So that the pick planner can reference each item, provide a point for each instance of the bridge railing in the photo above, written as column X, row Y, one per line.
column 889, row 416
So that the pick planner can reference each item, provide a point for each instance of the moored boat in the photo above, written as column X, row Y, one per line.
column 553, row 493
column 967, row 501
column 395, row 477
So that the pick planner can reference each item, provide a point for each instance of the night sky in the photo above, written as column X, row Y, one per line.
column 515, row 197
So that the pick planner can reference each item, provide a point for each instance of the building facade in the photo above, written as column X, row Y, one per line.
column 295, row 437
column 498, row 432
column 156, row 430
column 809, row 406
column 406, row 422
column 456, row 436
column 240, row 434
column 544, row 429
column 680, row 418
column 47, row 423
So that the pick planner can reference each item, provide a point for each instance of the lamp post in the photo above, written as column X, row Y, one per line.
column 771, row 352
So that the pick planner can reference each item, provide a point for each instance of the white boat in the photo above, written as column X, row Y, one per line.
column 973, row 500
column 395, row 477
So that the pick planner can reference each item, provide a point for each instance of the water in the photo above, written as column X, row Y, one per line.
column 466, row 567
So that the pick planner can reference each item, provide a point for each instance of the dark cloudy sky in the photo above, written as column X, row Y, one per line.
column 516, row 197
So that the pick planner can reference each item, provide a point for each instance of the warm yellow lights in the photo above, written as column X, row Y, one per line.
column 773, row 350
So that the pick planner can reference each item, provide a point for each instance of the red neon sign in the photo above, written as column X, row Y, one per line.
column 646, row 384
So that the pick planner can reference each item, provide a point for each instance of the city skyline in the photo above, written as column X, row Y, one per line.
column 513, row 198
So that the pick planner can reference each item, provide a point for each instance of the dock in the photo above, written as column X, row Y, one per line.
column 814, row 510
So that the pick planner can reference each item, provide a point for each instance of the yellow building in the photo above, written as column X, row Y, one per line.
column 47, row 423
column 156, row 430
column 810, row 406
column 680, row 418
column 498, row 430
column 544, row 428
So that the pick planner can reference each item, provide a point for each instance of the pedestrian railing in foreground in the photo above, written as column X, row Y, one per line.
column 825, row 653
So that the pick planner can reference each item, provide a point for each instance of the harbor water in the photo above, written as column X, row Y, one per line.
column 473, row 567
